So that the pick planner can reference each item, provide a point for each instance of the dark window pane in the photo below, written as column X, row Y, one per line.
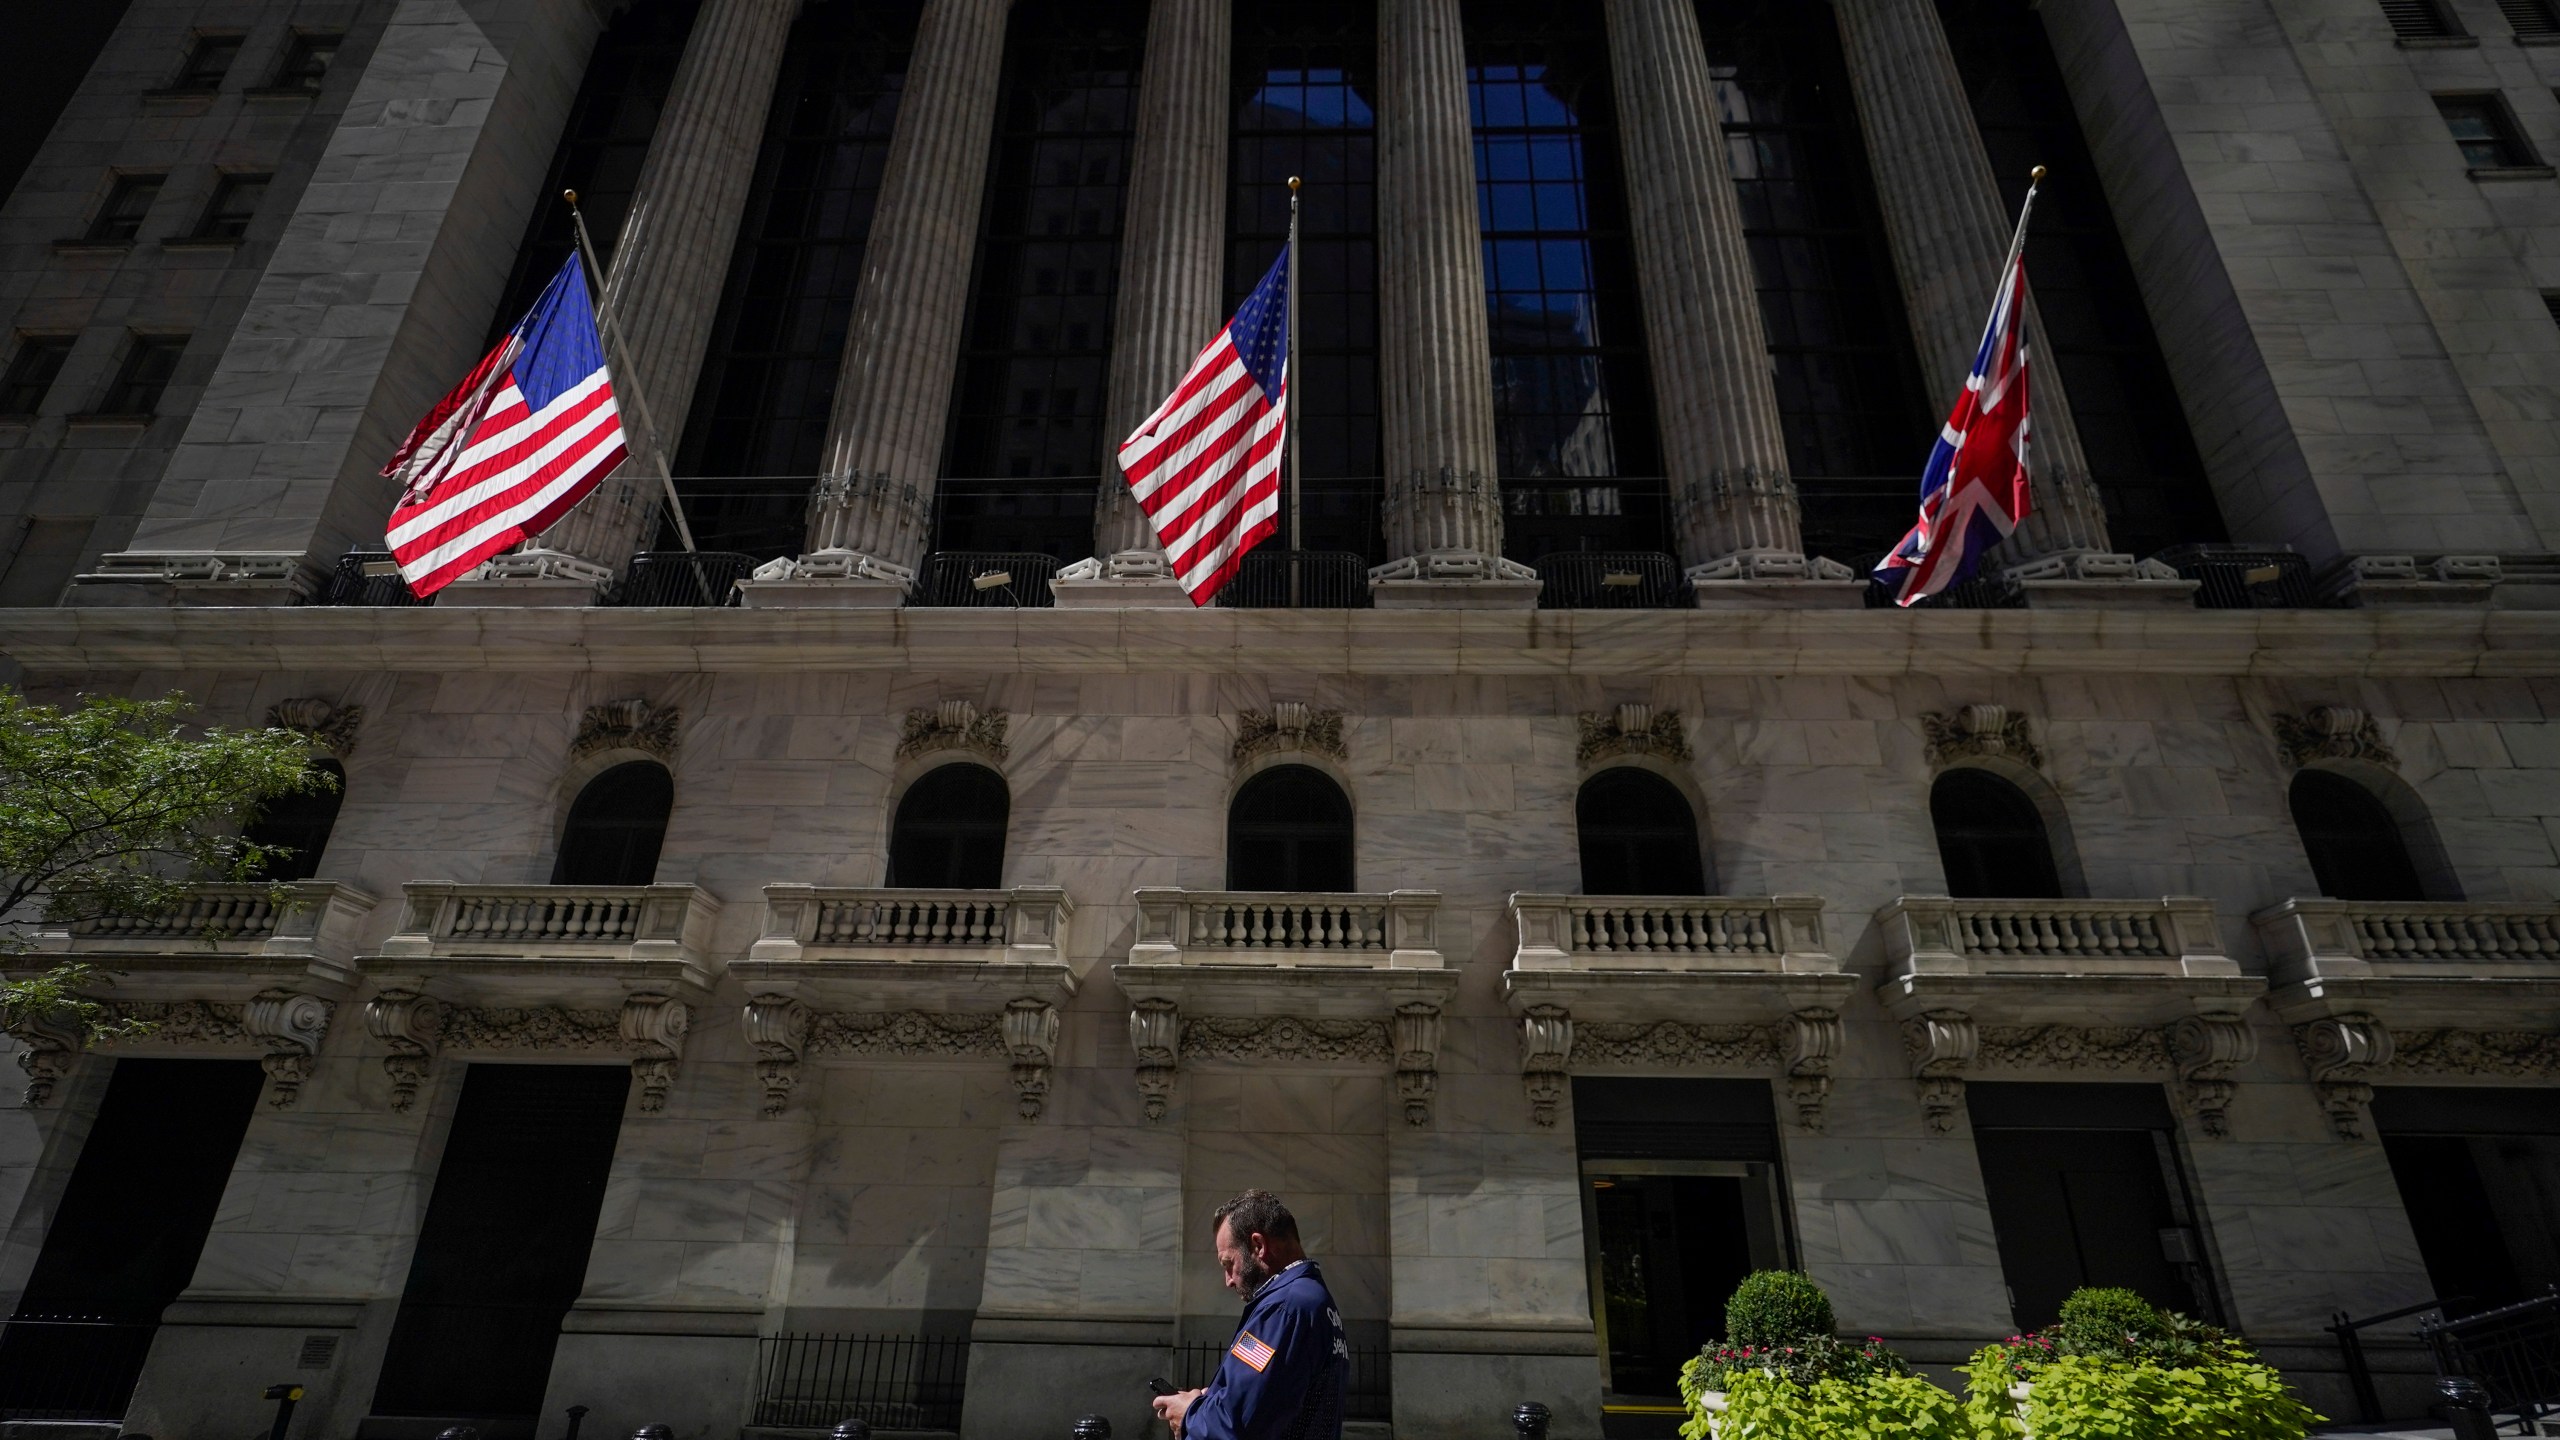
column 2356, row 849
column 1638, row 836
column 1991, row 839
column 950, row 830
column 208, row 61
column 1289, row 828
column 2486, row 133
column 300, row 825
column 617, row 827
column 32, row 372
column 121, row 217
column 235, row 204
column 306, row 62
column 147, row 369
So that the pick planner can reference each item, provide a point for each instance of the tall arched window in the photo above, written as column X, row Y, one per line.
column 1289, row 828
column 2356, row 848
column 949, row 834
column 1991, row 839
column 299, row 825
column 616, row 827
column 1638, row 836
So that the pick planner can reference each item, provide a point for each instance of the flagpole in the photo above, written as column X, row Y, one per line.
column 630, row 383
column 2018, row 237
column 1289, row 369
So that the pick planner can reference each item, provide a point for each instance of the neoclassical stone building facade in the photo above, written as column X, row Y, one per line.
column 837, row 973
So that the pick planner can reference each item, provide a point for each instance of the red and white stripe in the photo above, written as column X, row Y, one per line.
column 1206, row 467
column 515, row 475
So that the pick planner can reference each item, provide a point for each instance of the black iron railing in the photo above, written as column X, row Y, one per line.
column 1612, row 580
column 366, row 577
column 890, row 1382
column 995, row 578
column 1983, row 592
column 2244, row 577
column 683, row 577
column 2350, row 1335
column 70, row 1367
column 2513, row 1350
column 1368, row 1397
column 1298, row 579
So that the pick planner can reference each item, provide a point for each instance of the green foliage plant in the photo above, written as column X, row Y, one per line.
column 1782, row 1374
column 1776, row 1307
column 1874, row 1407
column 2117, row 1368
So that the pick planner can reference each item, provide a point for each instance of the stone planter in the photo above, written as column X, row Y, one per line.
column 1712, row 1401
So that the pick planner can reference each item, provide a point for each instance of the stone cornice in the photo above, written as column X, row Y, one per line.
column 2270, row 644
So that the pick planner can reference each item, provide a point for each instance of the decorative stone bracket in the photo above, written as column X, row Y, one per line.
column 1155, row 1033
column 2343, row 1052
column 2207, row 1048
column 778, row 1029
column 1417, row 1037
column 50, row 1045
column 1814, row 1038
column 413, row 1026
column 1546, row 1048
column 1630, row 730
column 629, row 725
column 1031, row 1039
column 291, row 1027
column 1290, row 725
column 1979, row 732
column 2332, row 732
column 330, row 727
column 954, row 725
column 1942, row 1045
column 653, row 1027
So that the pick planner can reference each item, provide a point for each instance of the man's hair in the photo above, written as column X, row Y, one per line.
column 1255, row 1212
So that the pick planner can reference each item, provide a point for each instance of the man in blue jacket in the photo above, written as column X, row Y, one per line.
column 1285, row 1371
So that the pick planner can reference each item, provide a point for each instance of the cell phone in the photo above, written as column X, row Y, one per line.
column 1160, row 1386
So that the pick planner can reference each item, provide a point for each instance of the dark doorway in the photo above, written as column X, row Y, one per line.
column 2479, row 1173
column 950, row 830
column 125, row 1239
column 1289, row 828
column 1991, row 840
column 617, row 827
column 504, row 1248
column 2085, row 1190
column 2354, row 843
column 1638, row 835
column 299, row 825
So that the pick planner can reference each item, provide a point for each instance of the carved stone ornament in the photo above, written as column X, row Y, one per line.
column 953, row 725
column 51, row 1045
column 1979, row 732
column 330, row 727
column 1546, row 1048
column 2332, row 732
column 1285, row 1037
column 653, row 1028
column 1417, row 1059
column 1155, row 1033
column 1673, row 1043
column 629, row 725
column 2508, row 1054
column 538, row 1027
column 905, row 1033
column 2072, row 1047
column 1031, row 1039
column 2343, row 1052
column 778, row 1030
column 1631, row 730
column 1813, row 1040
column 1942, row 1045
column 413, row 1026
column 291, row 1027
column 190, row 1024
column 2206, row 1049
column 1290, row 725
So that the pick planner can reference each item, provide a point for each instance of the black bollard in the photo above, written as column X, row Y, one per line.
column 853, row 1430
column 1092, row 1427
column 577, row 1417
column 284, row 1396
column 1530, row 1420
column 2466, row 1408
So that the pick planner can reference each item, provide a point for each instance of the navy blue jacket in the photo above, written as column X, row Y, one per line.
column 1285, row 1371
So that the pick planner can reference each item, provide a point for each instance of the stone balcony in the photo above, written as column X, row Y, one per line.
column 911, row 949
column 222, row 938
column 2420, row 963
column 551, row 943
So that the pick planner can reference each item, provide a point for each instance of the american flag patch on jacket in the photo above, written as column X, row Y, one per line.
column 1250, row 1350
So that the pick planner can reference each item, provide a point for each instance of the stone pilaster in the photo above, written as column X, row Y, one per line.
column 1949, row 230
column 1443, row 515
column 902, row 349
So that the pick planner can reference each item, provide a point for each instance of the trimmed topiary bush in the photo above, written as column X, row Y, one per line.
column 2098, row 1317
column 1775, row 1307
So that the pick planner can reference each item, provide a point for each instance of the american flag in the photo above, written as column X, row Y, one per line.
column 1206, row 466
column 523, row 439
column 1250, row 1350
column 1974, row 490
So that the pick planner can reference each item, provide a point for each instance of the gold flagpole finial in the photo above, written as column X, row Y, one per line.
column 2035, row 175
column 1293, row 183
column 572, row 196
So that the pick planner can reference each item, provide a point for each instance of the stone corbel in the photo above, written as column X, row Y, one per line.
column 1942, row 1045
column 1979, row 732
column 2207, row 1049
column 50, row 1045
column 1630, row 730
column 653, row 1029
column 778, row 1028
column 1814, row 1039
column 1290, row 725
column 1031, row 1038
column 1155, row 1033
column 1546, row 1048
column 2332, row 732
column 291, row 1026
column 413, row 1026
column 329, row 727
column 653, row 730
column 954, row 725
column 2343, row 1052
column 1417, row 1037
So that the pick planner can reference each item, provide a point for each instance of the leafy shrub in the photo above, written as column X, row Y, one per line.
column 2097, row 1316
column 1776, row 1307
column 1876, row 1407
column 2081, row 1397
column 1813, row 1358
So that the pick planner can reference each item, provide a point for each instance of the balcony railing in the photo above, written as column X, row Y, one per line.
column 2244, row 577
column 1611, row 580
column 1298, row 580
column 698, row 579
column 366, row 577
column 987, row 578
column 315, row 917
column 1023, row 925
column 1671, row 932
column 890, row 1382
column 443, row 920
column 1207, row 927
column 1934, row 934
column 2334, row 939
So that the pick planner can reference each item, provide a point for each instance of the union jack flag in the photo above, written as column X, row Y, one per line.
column 523, row 439
column 1973, row 492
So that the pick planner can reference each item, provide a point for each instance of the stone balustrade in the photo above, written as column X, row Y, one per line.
column 1671, row 932
column 2310, row 939
column 443, row 921
column 1024, row 925
column 1931, row 934
column 302, row 919
column 1398, row 929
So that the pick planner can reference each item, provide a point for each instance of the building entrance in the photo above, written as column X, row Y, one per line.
column 2479, row 1172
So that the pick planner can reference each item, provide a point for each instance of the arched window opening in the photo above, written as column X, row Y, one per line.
column 1639, row 836
column 1991, row 839
column 616, row 827
column 949, row 833
column 1289, row 829
column 298, row 826
column 2356, row 848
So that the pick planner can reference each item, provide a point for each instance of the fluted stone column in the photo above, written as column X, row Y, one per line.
column 1949, row 230
column 1443, row 516
column 669, row 268
column 1724, row 447
column 1169, row 302
column 884, row 439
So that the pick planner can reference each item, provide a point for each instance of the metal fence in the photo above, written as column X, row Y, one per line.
column 890, row 1382
column 70, row 1367
column 1368, row 1397
column 1612, row 580
column 2244, row 577
column 2513, row 1350
column 995, row 578
column 1272, row 579
column 683, row 578
column 1983, row 592
column 366, row 577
